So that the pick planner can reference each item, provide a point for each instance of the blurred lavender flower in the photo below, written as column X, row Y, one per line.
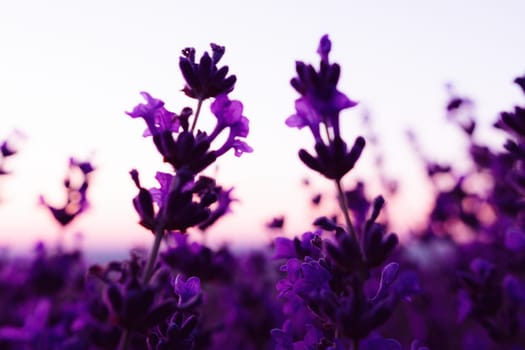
column 76, row 185
column 9, row 148
column 276, row 223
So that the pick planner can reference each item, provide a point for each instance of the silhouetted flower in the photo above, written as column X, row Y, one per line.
column 205, row 79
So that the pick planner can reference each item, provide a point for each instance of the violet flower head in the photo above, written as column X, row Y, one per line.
column 320, row 101
column 205, row 79
column 318, row 108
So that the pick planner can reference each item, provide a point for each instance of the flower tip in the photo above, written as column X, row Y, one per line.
column 217, row 52
column 325, row 46
column 135, row 177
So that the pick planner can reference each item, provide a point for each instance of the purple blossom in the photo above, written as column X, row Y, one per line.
column 229, row 115
column 152, row 112
column 160, row 195
column 315, row 279
column 226, row 111
column 308, row 245
column 188, row 291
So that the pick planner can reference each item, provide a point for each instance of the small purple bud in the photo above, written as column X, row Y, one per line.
column 325, row 45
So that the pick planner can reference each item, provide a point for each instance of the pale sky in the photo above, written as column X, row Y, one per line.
column 70, row 69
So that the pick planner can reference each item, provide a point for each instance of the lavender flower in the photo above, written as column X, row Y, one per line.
column 205, row 79
column 320, row 101
column 76, row 192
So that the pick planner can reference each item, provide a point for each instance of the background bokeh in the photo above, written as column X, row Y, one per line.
column 70, row 69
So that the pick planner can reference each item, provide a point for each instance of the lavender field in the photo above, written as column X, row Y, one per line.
column 458, row 282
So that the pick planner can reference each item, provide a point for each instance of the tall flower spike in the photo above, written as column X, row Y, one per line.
column 318, row 108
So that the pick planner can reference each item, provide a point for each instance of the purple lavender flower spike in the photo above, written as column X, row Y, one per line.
column 76, row 192
column 321, row 102
column 320, row 105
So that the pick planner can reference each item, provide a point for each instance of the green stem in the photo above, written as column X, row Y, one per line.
column 150, row 265
column 197, row 112
column 344, row 208
column 159, row 233
column 148, row 272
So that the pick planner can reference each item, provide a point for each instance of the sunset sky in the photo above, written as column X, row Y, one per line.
column 70, row 69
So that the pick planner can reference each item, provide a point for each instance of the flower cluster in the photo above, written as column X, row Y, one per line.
column 327, row 270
